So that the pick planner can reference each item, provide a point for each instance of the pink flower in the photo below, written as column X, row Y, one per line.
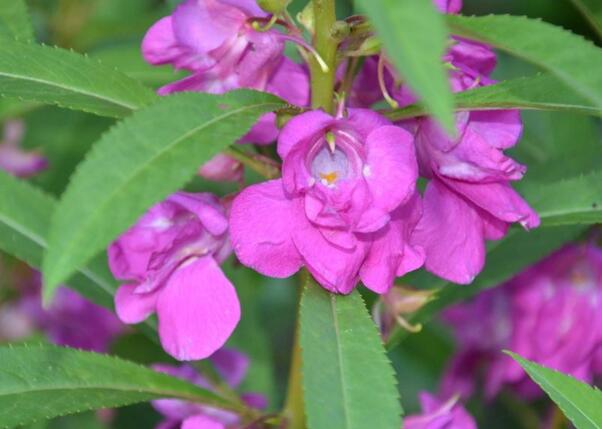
column 440, row 415
column 551, row 314
column 345, row 207
column 170, row 261
column 215, row 40
column 232, row 367
column 469, row 176
column 13, row 159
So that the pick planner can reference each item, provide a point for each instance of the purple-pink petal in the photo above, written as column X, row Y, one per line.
column 198, row 309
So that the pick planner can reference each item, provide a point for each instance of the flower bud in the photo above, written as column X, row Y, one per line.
column 306, row 18
column 273, row 6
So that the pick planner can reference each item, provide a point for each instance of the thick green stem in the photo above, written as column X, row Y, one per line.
column 322, row 81
column 294, row 409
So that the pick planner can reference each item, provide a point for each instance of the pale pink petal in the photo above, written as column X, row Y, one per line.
column 197, row 309
column 262, row 219
column 451, row 233
column 222, row 168
column 392, row 169
column 134, row 307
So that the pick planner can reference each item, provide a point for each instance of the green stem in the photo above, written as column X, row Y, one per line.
column 265, row 166
column 322, row 82
column 294, row 409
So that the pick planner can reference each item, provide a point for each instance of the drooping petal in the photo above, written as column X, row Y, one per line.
column 366, row 121
column 159, row 45
column 20, row 163
column 262, row 219
column 451, row 233
column 206, row 207
column 302, row 127
column 392, row 168
column 291, row 82
column 132, row 307
column 500, row 128
column 202, row 422
column 198, row 309
column 499, row 199
column 256, row 66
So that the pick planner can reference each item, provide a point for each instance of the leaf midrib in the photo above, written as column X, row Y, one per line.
column 138, row 171
column 73, row 89
column 332, row 299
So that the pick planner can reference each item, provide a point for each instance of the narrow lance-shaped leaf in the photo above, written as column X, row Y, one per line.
column 138, row 163
column 592, row 11
column 568, row 202
column 67, row 79
column 571, row 58
column 541, row 92
column 415, row 39
column 42, row 382
column 580, row 402
column 14, row 21
column 347, row 379
column 24, row 215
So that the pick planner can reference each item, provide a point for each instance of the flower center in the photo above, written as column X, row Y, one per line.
column 330, row 165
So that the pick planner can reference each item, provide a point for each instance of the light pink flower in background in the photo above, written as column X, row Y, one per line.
column 437, row 414
column 169, row 262
column 13, row 159
column 345, row 207
column 222, row 168
column 551, row 314
column 232, row 367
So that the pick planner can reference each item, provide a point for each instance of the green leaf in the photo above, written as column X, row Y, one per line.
column 565, row 55
column 579, row 401
column 592, row 11
column 568, row 202
column 42, row 382
column 505, row 258
column 415, row 38
column 138, row 163
column 67, row 79
column 540, row 92
column 347, row 379
column 25, row 212
column 14, row 21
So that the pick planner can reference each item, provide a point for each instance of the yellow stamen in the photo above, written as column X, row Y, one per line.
column 329, row 177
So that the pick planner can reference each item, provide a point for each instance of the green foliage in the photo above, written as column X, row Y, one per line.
column 577, row 400
column 42, row 382
column 67, row 79
column 24, row 214
column 540, row 92
column 567, row 56
column 347, row 378
column 416, row 53
column 118, row 180
column 568, row 202
column 14, row 21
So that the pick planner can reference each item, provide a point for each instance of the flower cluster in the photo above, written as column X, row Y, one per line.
column 347, row 206
column 551, row 314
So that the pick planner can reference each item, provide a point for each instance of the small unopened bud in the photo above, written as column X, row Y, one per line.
column 306, row 18
column 391, row 309
column 273, row 6
column 340, row 30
